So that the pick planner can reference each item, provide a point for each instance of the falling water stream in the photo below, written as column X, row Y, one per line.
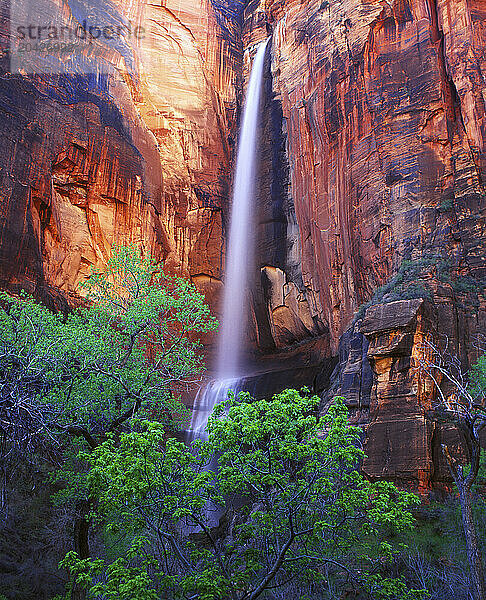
column 239, row 254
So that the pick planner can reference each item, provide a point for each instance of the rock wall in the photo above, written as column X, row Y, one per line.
column 383, row 116
column 190, row 81
column 372, row 154
column 285, row 310
column 399, row 434
column 384, row 111
column 139, row 154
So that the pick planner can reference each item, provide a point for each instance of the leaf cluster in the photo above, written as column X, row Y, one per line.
column 88, row 373
column 288, row 486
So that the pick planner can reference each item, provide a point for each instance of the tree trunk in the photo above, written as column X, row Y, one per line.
column 473, row 554
column 81, row 541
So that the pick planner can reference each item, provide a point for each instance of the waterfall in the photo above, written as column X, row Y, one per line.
column 207, row 397
column 238, row 257
column 233, row 321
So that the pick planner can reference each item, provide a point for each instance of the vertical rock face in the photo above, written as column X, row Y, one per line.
column 139, row 153
column 383, row 116
column 384, row 109
column 399, row 435
column 285, row 309
column 72, row 185
column 189, row 73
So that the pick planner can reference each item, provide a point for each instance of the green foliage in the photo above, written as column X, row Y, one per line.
column 477, row 378
column 467, row 284
column 410, row 282
column 436, row 556
column 288, row 481
column 446, row 205
column 122, row 582
column 405, row 285
column 480, row 483
column 386, row 589
column 89, row 372
column 438, row 532
column 477, row 389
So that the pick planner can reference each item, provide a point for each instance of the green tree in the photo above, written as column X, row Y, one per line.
column 297, row 513
column 86, row 374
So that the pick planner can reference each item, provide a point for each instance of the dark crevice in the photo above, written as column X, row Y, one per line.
column 449, row 91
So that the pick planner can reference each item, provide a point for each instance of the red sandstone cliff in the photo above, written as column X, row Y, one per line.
column 384, row 109
column 140, row 154
column 383, row 114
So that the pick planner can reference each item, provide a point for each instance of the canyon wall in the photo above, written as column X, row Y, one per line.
column 127, row 143
column 384, row 112
column 383, row 115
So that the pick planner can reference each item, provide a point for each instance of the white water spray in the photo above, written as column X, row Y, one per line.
column 239, row 254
